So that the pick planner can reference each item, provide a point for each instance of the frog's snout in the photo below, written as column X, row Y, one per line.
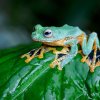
column 33, row 34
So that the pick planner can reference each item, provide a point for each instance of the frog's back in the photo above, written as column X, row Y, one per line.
column 72, row 31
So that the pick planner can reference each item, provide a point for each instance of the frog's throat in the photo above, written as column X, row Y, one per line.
column 46, row 41
column 55, row 43
column 52, row 43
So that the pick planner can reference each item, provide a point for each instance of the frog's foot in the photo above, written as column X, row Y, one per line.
column 60, row 55
column 97, row 63
column 29, row 56
column 80, row 52
column 57, row 61
column 91, row 65
column 34, row 53
column 84, row 58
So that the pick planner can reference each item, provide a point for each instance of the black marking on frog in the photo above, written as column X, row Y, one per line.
column 31, row 52
column 38, row 52
column 61, row 55
column 90, row 56
column 98, row 56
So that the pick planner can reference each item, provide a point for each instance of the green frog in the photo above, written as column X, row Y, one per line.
column 67, row 37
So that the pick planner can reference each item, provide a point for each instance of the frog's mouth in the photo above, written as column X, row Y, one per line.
column 38, row 40
column 53, row 43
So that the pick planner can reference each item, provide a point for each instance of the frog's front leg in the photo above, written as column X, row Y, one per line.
column 38, row 53
column 33, row 53
column 67, row 57
column 88, row 46
column 73, row 52
column 60, row 55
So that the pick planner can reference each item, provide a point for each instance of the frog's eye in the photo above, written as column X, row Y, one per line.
column 48, row 33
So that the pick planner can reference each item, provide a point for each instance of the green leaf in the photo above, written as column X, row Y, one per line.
column 37, row 81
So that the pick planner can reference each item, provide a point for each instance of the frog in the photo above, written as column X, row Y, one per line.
column 68, row 37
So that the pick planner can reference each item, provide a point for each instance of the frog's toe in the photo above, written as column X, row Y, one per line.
column 29, row 54
column 59, row 67
column 29, row 59
column 40, row 52
column 53, row 64
column 57, row 61
column 40, row 56
column 84, row 58
column 25, row 55
column 92, row 68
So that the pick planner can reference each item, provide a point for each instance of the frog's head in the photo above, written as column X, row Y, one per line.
column 54, row 34
column 47, row 34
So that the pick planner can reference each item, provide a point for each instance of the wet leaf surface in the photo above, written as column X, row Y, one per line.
column 36, row 81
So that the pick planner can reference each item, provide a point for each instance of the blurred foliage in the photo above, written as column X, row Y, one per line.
column 36, row 81
column 82, row 13
column 24, row 15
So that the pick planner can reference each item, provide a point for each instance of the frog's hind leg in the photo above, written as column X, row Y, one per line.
column 93, row 60
column 97, row 58
column 90, row 59
column 93, row 65
column 89, row 44
column 33, row 53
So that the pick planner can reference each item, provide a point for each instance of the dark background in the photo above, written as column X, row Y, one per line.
column 18, row 17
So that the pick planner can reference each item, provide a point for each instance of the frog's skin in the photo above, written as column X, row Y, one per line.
column 65, row 36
